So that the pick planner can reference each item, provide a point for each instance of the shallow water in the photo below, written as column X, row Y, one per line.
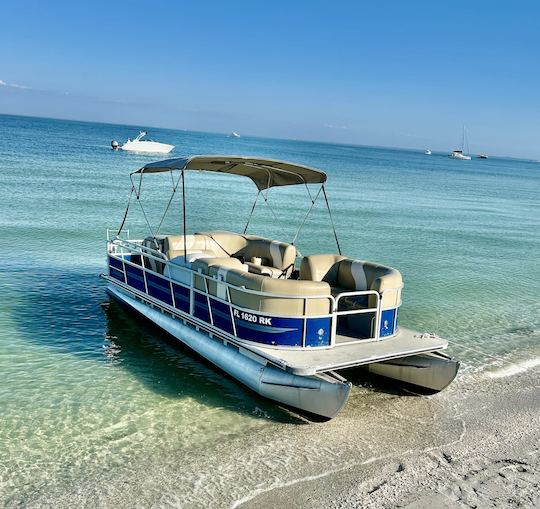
column 92, row 397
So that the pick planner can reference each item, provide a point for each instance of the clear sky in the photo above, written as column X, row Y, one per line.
column 390, row 73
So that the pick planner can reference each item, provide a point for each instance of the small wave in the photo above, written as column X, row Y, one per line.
column 515, row 368
column 284, row 484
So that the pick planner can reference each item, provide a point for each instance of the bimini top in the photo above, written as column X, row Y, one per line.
column 265, row 173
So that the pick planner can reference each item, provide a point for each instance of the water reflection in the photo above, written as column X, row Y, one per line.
column 167, row 367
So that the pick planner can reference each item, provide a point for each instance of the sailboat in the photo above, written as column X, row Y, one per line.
column 460, row 154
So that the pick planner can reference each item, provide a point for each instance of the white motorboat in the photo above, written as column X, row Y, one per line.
column 234, row 134
column 460, row 154
column 279, row 322
column 141, row 145
column 427, row 152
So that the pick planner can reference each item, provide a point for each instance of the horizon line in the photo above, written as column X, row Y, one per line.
column 385, row 147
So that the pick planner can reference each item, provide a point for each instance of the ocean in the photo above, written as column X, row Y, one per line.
column 97, row 410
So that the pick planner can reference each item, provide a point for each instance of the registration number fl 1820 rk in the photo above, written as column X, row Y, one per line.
column 249, row 317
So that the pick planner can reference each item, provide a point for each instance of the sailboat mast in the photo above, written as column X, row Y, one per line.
column 464, row 140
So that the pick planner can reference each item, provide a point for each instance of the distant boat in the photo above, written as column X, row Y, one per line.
column 460, row 154
column 235, row 135
column 427, row 152
column 482, row 156
column 140, row 145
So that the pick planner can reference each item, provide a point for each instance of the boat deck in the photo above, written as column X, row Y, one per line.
column 311, row 362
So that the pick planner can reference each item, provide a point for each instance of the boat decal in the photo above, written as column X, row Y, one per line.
column 271, row 330
column 318, row 331
column 388, row 322
column 267, row 328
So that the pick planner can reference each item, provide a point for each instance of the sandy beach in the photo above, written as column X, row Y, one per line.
column 493, row 462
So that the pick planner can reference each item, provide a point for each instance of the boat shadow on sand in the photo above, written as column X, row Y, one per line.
column 170, row 368
column 69, row 312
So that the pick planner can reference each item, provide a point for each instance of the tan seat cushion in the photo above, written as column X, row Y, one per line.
column 345, row 274
column 224, row 243
column 273, row 254
column 265, row 270
column 217, row 268
column 278, row 305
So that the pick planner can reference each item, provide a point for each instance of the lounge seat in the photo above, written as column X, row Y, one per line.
column 262, row 256
column 279, row 305
column 347, row 275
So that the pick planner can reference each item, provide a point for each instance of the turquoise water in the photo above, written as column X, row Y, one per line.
column 90, row 396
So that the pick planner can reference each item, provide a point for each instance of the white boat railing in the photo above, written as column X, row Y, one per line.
column 118, row 248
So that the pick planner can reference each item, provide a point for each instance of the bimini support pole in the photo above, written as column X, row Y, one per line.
column 313, row 200
column 251, row 213
column 126, row 212
column 138, row 196
column 184, row 214
column 331, row 219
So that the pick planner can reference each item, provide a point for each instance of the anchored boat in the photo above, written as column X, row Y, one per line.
column 279, row 322
column 141, row 145
column 460, row 154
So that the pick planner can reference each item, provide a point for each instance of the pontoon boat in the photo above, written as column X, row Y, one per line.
column 281, row 323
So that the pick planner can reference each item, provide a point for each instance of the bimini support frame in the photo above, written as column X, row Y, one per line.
column 184, row 213
column 265, row 173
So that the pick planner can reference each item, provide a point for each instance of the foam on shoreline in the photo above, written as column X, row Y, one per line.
column 515, row 368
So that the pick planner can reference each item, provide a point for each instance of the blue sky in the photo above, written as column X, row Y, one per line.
column 390, row 73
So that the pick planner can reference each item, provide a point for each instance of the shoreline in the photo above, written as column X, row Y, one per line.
column 474, row 445
column 495, row 462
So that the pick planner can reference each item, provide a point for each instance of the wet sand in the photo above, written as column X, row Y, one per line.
column 474, row 445
column 494, row 462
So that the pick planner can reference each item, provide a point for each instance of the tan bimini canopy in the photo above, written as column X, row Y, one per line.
column 265, row 173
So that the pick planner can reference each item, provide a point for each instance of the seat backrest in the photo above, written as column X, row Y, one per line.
column 362, row 275
column 157, row 243
column 227, row 242
column 354, row 275
column 279, row 305
column 322, row 267
column 174, row 245
column 217, row 268
column 273, row 253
